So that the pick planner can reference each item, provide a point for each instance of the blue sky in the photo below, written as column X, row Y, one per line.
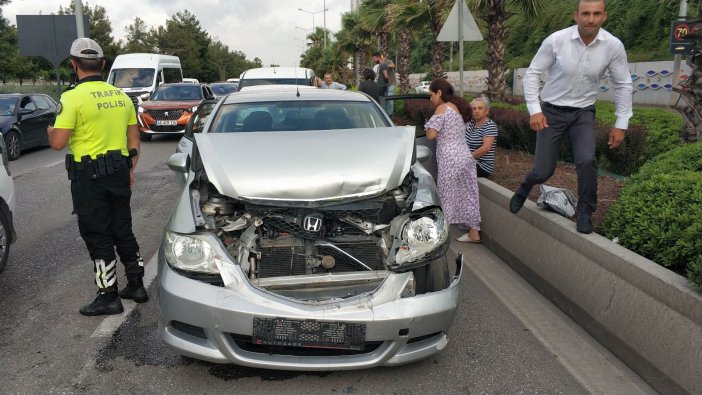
column 260, row 28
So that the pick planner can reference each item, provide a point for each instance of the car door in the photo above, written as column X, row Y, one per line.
column 30, row 122
column 46, row 115
column 415, row 109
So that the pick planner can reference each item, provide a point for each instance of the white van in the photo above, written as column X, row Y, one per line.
column 277, row 76
column 140, row 73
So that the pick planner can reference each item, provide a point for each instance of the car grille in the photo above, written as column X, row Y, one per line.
column 134, row 97
column 290, row 261
column 166, row 129
column 165, row 115
column 246, row 344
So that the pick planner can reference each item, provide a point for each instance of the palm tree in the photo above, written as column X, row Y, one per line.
column 417, row 15
column 494, row 13
column 404, row 36
column 374, row 17
column 355, row 37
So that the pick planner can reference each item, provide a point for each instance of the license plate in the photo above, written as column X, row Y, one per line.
column 166, row 123
column 308, row 333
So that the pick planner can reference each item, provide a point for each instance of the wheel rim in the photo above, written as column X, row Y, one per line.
column 13, row 145
column 3, row 241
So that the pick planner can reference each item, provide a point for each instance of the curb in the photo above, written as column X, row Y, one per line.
column 648, row 316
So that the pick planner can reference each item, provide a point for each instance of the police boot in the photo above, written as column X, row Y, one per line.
column 135, row 291
column 106, row 303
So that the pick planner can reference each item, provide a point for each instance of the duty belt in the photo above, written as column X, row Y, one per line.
column 102, row 166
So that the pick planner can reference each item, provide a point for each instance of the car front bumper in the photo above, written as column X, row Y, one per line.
column 207, row 322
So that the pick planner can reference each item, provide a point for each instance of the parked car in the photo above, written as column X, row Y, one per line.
column 423, row 87
column 307, row 237
column 221, row 89
column 169, row 108
column 277, row 76
column 7, row 208
column 24, row 119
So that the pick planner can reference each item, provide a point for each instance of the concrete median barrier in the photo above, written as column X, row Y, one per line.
column 648, row 316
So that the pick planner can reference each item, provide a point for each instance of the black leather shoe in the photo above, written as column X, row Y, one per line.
column 516, row 203
column 584, row 224
column 104, row 304
column 135, row 292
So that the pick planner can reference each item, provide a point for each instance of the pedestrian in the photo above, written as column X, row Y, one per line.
column 98, row 123
column 392, row 83
column 574, row 59
column 481, row 136
column 381, row 73
column 329, row 84
column 369, row 86
column 457, row 181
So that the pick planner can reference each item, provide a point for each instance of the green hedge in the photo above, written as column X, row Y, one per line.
column 659, row 218
column 651, row 132
column 685, row 157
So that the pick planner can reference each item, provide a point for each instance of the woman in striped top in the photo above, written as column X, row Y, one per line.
column 481, row 136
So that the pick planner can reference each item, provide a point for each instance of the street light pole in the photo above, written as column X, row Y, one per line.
column 324, row 9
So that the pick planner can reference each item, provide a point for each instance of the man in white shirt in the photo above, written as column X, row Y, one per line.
column 574, row 60
column 329, row 84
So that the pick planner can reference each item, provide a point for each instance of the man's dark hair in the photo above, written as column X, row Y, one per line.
column 578, row 2
column 89, row 65
column 368, row 74
column 376, row 53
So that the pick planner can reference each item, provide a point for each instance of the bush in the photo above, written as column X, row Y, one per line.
column 659, row 218
column 513, row 129
column 685, row 157
column 628, row 157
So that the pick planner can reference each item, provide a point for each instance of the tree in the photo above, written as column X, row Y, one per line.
column 417, row 15
column 183, row 36
column 494, row 13
column 100, row 28
column 356, row 39
column 375, row 18
column 9, row 62
column 138, row 38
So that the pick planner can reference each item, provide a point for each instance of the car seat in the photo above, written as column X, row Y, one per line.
column 258, row 121
column 333, row 118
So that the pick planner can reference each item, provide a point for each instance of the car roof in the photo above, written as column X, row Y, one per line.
column 289, row 93
column 181, row 84
column 278, row 72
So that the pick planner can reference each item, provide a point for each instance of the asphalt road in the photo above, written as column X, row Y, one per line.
column 506, row 338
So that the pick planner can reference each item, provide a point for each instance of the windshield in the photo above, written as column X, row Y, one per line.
column 223, row 89
column 132, row 78
column 177, row 92
column 274, row 81
column 7, row 105
column 298, row 115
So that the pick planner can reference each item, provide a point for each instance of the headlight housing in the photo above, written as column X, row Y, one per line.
column 192, row 252
column 419, row 237
column 141, row 110
column 193, row 109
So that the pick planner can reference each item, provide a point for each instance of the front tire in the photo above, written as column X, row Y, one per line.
column 13, row 144
column 4, row 240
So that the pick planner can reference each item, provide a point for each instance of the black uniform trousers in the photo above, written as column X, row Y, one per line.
column 105, row 219
column 579, row 123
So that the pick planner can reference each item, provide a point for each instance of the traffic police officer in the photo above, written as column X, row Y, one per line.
column 98, row 123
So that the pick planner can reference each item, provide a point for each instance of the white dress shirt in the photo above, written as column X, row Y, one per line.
column 574, row 72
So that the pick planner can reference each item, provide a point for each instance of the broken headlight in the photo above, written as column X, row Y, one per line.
column 419, row 239
column 192, row 253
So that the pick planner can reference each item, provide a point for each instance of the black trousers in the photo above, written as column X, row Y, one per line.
column 580, row 126
column 105, row 219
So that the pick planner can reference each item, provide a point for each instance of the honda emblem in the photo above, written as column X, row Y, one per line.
column 312, row 224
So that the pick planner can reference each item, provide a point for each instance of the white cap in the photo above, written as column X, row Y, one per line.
column 86, row 48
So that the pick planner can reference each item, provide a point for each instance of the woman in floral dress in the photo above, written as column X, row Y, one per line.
column 457, row 180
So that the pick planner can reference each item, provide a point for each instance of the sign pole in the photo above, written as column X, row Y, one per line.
column 460, row 46
column 678, row 58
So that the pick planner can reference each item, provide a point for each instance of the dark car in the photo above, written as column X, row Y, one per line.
column 169, row 108
column 24, row 119
column 221, row 89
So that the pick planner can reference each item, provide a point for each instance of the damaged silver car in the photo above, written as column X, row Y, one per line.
column 308, row 236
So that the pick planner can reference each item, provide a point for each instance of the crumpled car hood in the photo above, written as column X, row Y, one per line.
column 307, row 166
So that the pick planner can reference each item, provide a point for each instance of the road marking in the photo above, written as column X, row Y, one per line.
column 109, row 324
column 55, row 163
column 590, row 363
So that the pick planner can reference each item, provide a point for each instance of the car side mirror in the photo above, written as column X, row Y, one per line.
column 179, row 162
column 423, row 153
column 25, row 111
